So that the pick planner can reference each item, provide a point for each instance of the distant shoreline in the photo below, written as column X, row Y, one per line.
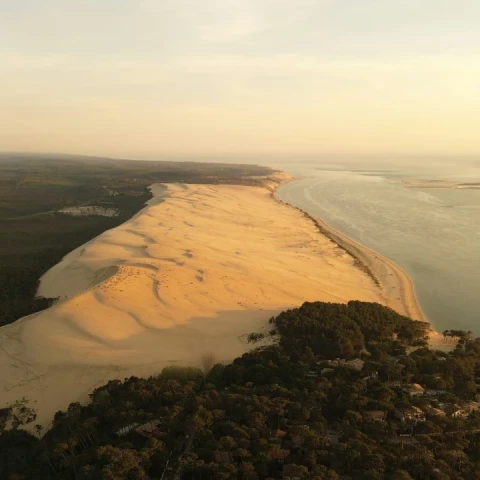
column 396, row 286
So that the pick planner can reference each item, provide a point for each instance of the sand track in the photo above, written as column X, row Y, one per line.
column 190, row 275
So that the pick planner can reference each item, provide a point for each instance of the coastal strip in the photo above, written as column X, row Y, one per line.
column 396, row 287
column 189, row 277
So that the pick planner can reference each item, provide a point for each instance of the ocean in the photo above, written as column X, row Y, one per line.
column 414, row 212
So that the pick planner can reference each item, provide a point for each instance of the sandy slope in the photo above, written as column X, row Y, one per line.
column 190, row 275
column 396, row 287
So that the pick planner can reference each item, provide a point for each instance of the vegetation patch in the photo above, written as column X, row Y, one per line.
column 51, row 205
column 255, row 337
column 340, row 397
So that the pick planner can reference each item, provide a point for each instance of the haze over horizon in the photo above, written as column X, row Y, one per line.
column 179, row 77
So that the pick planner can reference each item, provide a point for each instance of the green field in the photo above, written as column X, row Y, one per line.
column 34, row 236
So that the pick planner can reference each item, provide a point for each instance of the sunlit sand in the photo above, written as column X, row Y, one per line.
column 191, row 275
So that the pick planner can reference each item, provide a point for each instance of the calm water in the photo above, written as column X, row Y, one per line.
column 434, row 234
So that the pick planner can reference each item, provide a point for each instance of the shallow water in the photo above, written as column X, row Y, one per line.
column 432, row 233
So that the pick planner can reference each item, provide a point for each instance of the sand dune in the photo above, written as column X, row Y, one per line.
column 190, row 275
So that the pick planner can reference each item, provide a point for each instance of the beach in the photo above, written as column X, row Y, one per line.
column 396, row 288
column 188, row 278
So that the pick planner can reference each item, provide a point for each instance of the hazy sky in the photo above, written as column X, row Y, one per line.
column 142, row 78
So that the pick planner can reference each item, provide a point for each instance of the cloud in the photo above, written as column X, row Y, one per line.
column 212, row 21
column 452, row 75
column 270, row 66
column 239, row 26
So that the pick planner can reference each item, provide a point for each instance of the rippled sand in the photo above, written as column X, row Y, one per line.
column 189, row 276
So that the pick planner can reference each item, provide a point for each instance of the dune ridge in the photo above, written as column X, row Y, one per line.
column 194, row 272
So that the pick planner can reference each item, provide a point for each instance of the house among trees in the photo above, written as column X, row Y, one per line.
column 376, row 415
column 436, row 412
column 473, row 407
column 149, row 429
column 435, row 393
column 413, row 414
column 279, row 454
column 125, row 430
column 354, row 364
column 455, row 411
column 414, row 390
column 326, row 371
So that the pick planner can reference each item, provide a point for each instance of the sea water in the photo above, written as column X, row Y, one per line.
column 432, row 233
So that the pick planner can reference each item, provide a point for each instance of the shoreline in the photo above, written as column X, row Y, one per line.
column 396, row 286
column 190, row 275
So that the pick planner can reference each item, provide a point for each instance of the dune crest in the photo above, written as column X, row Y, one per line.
column 191, row 274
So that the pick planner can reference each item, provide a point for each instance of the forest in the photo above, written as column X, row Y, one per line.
column 35, row 235
column 346, row 392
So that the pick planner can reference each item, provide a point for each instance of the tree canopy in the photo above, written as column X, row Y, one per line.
column 349, row 392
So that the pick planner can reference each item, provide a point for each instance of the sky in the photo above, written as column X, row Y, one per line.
column 149, row 78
